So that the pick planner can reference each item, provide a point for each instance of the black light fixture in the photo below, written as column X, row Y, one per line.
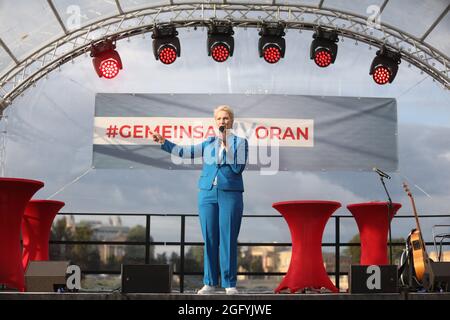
column 272, row 45
column 107, row 62
column 385, row 66
column 220, row 41
column 166, row 45
column 324, row 48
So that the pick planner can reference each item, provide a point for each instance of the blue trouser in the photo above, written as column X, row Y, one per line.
column 220, row 215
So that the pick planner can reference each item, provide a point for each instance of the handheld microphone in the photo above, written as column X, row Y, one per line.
column 222, row 128
column 381, row 173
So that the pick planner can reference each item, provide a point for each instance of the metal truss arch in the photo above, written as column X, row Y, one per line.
column 72, row 44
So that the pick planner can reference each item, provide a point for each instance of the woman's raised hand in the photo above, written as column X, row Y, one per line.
column 157, row 137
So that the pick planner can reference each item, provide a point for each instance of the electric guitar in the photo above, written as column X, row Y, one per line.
column 421, row 261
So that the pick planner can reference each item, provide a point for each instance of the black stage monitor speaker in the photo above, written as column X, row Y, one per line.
column 438, row 278
column 373, row 279
column 146, row 278
column 46, row 276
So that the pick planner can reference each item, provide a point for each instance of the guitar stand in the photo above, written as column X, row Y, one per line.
column 406, row 271
column 413, row 283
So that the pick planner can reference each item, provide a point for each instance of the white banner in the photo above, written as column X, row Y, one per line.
column 184, row 131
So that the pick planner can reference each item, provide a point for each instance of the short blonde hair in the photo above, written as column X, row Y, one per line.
column 227, row 109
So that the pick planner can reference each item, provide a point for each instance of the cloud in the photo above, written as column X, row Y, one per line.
column 49, row 134
column 445, row 156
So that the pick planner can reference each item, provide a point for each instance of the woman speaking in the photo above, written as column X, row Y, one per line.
column 220, row 201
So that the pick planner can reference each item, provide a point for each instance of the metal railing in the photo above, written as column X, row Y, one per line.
column 181, row 273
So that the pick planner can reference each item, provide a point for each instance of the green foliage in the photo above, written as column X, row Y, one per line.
column 249, row 262
column 193, row 259
column 355, row 251
column 85, row 256
column 136, row 233
column 59, row 232
column 136, row 254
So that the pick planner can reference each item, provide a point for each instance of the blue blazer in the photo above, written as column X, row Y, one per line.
column 228, row 168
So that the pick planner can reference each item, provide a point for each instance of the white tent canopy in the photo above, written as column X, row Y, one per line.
column 41, row 36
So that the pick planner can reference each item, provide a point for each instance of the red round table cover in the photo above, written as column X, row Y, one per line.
column 306, row 220
column 36, row 226
column 14, row 196
column 373, row 224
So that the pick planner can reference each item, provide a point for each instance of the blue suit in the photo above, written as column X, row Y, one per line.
column 220, row 203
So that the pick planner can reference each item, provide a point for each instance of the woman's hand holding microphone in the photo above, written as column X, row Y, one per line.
column 223, row 135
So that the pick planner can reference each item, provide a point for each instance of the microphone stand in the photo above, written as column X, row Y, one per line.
column 389, row 218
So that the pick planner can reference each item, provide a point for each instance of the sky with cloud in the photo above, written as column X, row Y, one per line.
column 49, row 133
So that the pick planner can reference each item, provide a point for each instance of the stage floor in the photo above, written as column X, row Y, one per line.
column 223, row 297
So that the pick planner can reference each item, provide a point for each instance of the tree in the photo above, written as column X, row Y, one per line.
column 161, row 258
column 256, row 264
column 250, row 263
column 175, row 261
column 60, row 232
column 354, row 251
column 85, row 256
column 193, row 259
column 136, row 254
column 112, row 262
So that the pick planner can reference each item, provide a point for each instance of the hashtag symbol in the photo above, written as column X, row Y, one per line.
column 111, row 131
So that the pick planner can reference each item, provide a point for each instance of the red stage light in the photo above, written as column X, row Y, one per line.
column 109, row 68
column 271, row 44
column 167, row 54
column 381, row 75
column 272, row 54
column 166, row 45
column 106, row 60
column 384, row 66
column 323, row 58
column 220, row 52
column 220, row 43
column 324, row 47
